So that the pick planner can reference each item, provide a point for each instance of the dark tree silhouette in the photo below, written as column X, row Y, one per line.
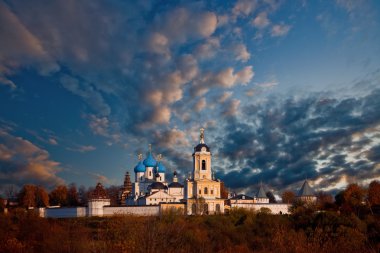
column 271, row 197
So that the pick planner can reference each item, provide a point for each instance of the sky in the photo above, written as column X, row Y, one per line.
column 286, row 90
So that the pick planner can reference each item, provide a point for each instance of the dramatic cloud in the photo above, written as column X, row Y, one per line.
column 23, row 162
column 131, row 73
column 19, row 47
column 319, row 137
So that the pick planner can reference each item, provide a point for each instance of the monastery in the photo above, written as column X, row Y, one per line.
column 151, row 193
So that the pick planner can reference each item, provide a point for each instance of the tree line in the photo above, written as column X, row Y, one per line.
column 354, row 198
column 32, row 196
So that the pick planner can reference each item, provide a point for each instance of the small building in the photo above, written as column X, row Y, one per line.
column 97, row 200
column 240, row 199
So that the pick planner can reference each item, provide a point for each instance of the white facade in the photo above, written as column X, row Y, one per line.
column 150, row 178
column 95, row 206
column 275, row 208
column 156, row 198
column 202, row 191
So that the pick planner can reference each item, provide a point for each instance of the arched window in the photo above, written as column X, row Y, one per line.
column 206, row 191
column 193, row 209
column 212, row 192
column 203, row 164
column 200, row 191
column 150, row 173
column 205, row 208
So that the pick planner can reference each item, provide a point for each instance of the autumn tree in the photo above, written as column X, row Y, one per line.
column 33, row 196
column 42, row 197
column 223, row 191
column 72, row 195
column 374, row 193
column 288, row 197
column 11, row 191
column 351, row 199
column 82, row 195
column 58, row 196
column 27, row 196
column 324, row 200
column 271, row 197
column 2, row 203
column 113, row 193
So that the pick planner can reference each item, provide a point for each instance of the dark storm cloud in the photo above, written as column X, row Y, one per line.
column 285, row 140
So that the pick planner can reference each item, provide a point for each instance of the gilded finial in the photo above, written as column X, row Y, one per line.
column 140, row 157
column 202, row 136
column 159, row 157
column 150, row 148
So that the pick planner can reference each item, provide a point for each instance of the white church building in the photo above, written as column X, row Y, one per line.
column 151, row 194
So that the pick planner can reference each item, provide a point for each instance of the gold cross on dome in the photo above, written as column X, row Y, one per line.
column 202, row 136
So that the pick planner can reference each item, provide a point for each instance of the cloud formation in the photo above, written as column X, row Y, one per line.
column 319, row 137
column 23, row 162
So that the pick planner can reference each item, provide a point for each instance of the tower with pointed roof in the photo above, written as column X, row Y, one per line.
column 261, row 196
column 125, row 190
column 306, row 193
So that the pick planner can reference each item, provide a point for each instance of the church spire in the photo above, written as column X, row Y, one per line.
column 202, row 136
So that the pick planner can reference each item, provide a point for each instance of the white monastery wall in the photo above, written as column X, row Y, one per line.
column 131, row 210
column 275, row 208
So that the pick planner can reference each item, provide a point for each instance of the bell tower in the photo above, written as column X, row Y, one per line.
column 202, row 159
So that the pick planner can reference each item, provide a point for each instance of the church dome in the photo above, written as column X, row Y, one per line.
column 161, row 168
column 175, row 185
column 139, row 167
column 199, row 147
column 158, row 186
column 150, row 161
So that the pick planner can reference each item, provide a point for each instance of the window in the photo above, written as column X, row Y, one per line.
column 206, row 191
column 203, row 164
column 193, row 209
column 205, row 208
column 150, row 173
column 141, row 177
column 200, row 191
column 212, row 192
column 217, row 208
